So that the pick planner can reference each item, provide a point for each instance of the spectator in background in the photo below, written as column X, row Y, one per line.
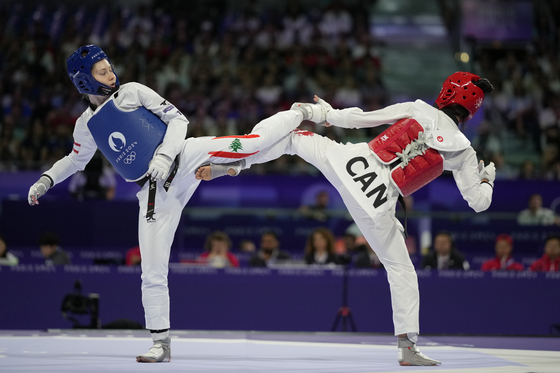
column 504, row 171
column 247, row 246
column 269, row 252
column 52, row 252
column 346, row 244
column 358, row 249
column 320, row 247
column 527, row 171
column 133, row 257
column 486, row 143
column 319, row 210
column 367, row 258
column 550, row 261
column 444, row 254
column 217, row 251
column 503, row 260
column 536, row 214
column 6, row 258
column 96, row 181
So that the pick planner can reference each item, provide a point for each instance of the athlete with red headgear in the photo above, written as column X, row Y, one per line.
column 422, row 141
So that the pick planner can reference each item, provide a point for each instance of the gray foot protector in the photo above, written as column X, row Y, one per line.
column 219, row 170
column 410, row 355
column 303, row 109
column 160, row 352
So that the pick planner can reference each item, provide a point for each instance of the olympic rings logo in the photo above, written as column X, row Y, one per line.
column 130, row 158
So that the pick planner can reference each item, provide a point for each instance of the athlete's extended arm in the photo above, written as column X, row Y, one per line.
column 357, row 118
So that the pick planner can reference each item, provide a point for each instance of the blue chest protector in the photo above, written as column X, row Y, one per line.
column 128, row 139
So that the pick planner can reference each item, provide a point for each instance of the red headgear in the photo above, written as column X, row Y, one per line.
column 459, row 89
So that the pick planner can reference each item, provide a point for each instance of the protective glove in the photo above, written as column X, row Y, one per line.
column 159, row 166
column 488, row 172
column 38, row 189
column 326, row 107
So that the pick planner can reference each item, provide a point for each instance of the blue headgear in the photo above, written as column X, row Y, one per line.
column 79, row 65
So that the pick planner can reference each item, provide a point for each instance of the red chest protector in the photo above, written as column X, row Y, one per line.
column 420, row 164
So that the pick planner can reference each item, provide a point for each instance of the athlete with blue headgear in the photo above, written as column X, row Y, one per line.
column 144, row 137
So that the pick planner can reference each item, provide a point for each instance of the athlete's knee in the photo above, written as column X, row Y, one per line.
column 401, row 269
column 152, row 280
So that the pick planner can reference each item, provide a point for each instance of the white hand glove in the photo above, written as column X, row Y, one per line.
column 159, row 166
column 38, row 189
column 327, row 107
column 488, row 172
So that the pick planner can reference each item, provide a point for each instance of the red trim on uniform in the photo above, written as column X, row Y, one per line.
column 76, row 151
column 75, row 143
column 230, row 154
column 252, row 136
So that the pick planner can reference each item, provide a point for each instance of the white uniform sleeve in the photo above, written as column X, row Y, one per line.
column 83, row 150
column 464, row 165
column 176, row 122
column 357, row 118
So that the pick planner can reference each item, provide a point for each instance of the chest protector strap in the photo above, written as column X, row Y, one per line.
column 405, row 141
column 128, row 139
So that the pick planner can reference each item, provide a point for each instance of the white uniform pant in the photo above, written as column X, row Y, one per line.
column 156, row 237
column 384, row 234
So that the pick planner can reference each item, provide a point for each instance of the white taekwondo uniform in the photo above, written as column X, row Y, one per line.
column 156, row 230
column 365, row 184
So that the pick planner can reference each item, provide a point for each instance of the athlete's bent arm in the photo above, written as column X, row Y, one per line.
column 136, row 94
column 176, row 122
column 475, row 185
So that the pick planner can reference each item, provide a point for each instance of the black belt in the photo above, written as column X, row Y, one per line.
column 396, row 163
column 403, row 205
column 152, row 191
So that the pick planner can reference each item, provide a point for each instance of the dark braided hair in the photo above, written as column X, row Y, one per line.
column 485, row 85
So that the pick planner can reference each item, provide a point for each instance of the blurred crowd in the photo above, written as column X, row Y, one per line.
column 524, row 109
column 225, row 69
column 227, row 66
column 322, row 250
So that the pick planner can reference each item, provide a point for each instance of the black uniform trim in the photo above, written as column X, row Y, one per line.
column 151, row 201
column 150, row 212
column 171, row 176
column 50, row 179
column 158, row 331
column 143, row 181
column 403, row 206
